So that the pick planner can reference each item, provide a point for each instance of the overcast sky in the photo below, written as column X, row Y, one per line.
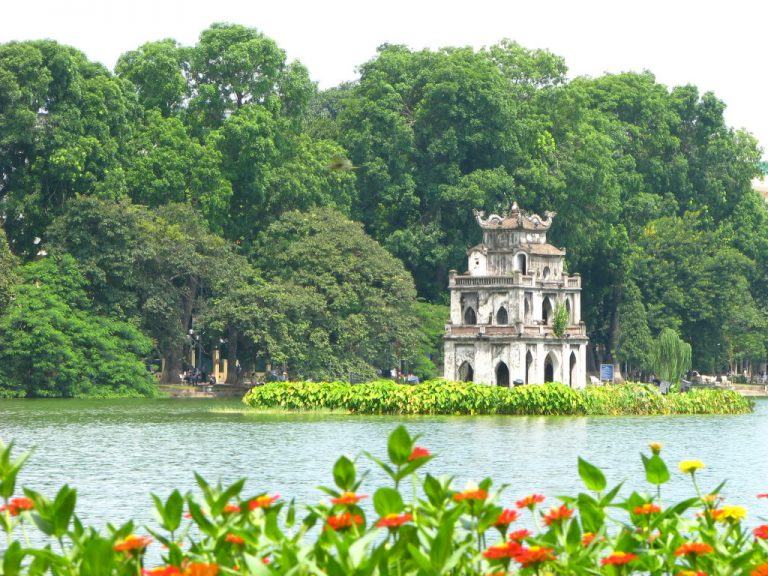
column 718, row 46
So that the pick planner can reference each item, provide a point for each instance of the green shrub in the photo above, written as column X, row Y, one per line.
column 443, row 397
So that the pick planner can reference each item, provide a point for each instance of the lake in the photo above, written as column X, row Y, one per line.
column 115, row 452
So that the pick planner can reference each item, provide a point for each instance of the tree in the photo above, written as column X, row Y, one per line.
column 671, row 356
column 560, row 320
column 634, row 344
column 8, row 271
column 52, row 345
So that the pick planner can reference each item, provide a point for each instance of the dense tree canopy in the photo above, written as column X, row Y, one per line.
column 213, row 188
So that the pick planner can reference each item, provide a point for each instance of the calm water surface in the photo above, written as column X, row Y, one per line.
column 117, row 452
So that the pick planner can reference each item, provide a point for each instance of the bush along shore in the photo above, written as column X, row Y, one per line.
column 443, row 397
column 414, row 525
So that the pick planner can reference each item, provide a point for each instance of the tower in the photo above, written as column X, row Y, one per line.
column 503, row 308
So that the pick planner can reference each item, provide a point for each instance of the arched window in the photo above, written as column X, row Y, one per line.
column 469, row 316
column 572, row 370
column 528, row 367
column 466, row 373
column 568, row 309
column 549, row 368
column 502, row 375
column 501, row 316
column 521, row 263
column 547, row 311
column 527, row 308
column 545, row 273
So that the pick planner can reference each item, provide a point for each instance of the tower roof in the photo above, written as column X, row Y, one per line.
column 516, row 219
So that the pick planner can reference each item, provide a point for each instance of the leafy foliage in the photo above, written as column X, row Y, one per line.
column 671, row 356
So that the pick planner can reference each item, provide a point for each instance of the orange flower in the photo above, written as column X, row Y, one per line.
column 530, row 501
column 506, row 517
column 131, row 543
column 760, row 570
column 691, row 573
column 18, row 505
column 503, row 550
column 647, row 509
column 519, row 535
column 394, row 520
column 478, row 494
column 348, row 498
column 534, row 555
column 557, row 514
column 761, row 532
column 264, row 501
column 343, row 521
column 231, row 509
column 162, row 571
column 618, row 559
column 201, row 569
column 418, row 453
column 587, row 538
column 694, row 548
column 235, row 539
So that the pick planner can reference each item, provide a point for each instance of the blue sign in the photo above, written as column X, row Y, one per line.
column 606, row 372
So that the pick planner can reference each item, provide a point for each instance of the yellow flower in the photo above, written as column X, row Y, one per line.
column 655, row 447
column 730, row 514
column 690, row 466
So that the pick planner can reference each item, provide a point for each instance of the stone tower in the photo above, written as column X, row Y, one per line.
column 503, row 308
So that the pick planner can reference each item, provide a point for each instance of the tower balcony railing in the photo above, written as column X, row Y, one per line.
column 513, row 330
column 517, row 279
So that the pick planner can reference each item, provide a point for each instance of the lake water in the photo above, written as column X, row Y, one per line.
column 117, row 452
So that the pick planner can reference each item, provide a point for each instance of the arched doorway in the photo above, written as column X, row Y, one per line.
column 521, row 263
column 470, row 317
column 528, row 366
column 572, row 370
column 466, row 373
column 549, row 368
column 527, row 307
column 501, row 316
column 568, row 308
column 547, row 311
column 502, row 375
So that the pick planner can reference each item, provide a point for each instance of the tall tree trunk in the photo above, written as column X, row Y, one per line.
column 232, row 337
column 613, row 326
column 172, row 365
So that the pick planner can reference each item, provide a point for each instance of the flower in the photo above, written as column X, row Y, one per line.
column 477, row 494
column 503, row 550
column 394, row 520
column 690, row 466
column 231, row 509
column 201, row 569
column 691, row 573
column 264, row 501
column 694, row 549
column 729, row 513
column 618, row 559
column 235, row 539
column 534, row 555
column 763, row 495
column 131, row 543
column 557, row 513
column 761, row 532
column 418, row 453
column 530, row 501
column 17, row 505
column 647, row 509
column 711, row 498
column 343, row 521
column 162, row 571
column 655, row 447
column 760, row 570
column 506, row 517
column 348, row 498
column 519, row 535
column 587, row 538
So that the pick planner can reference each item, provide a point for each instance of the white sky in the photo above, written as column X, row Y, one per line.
column 719, row 46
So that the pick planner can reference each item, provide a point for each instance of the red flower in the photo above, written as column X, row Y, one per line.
column 394, row 520
column 587, row 538
column 691, row 573
column 506, row 517
column 530, row 501
column 162, row 571
column 763, row 495
column 235, row 539
column 231, row 509
column 343, row 521
column 618, row 559
column 201, row 569
column 348, row 498
column 694, row 548
column 519, row 535
column 478, row 494
column 534, row 555
column 132, row 543
column 17, row 505
column 647, row 509
column 761, row 532
column 557, row 514
column 503, row 550
column 418, row 453
column 264, row 501
column 760, row 570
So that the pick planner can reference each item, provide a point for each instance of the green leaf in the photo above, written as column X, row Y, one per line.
column 656, row 471
column 387, row 501
column 399, row 446
column 592, row 476
column 344, row 473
